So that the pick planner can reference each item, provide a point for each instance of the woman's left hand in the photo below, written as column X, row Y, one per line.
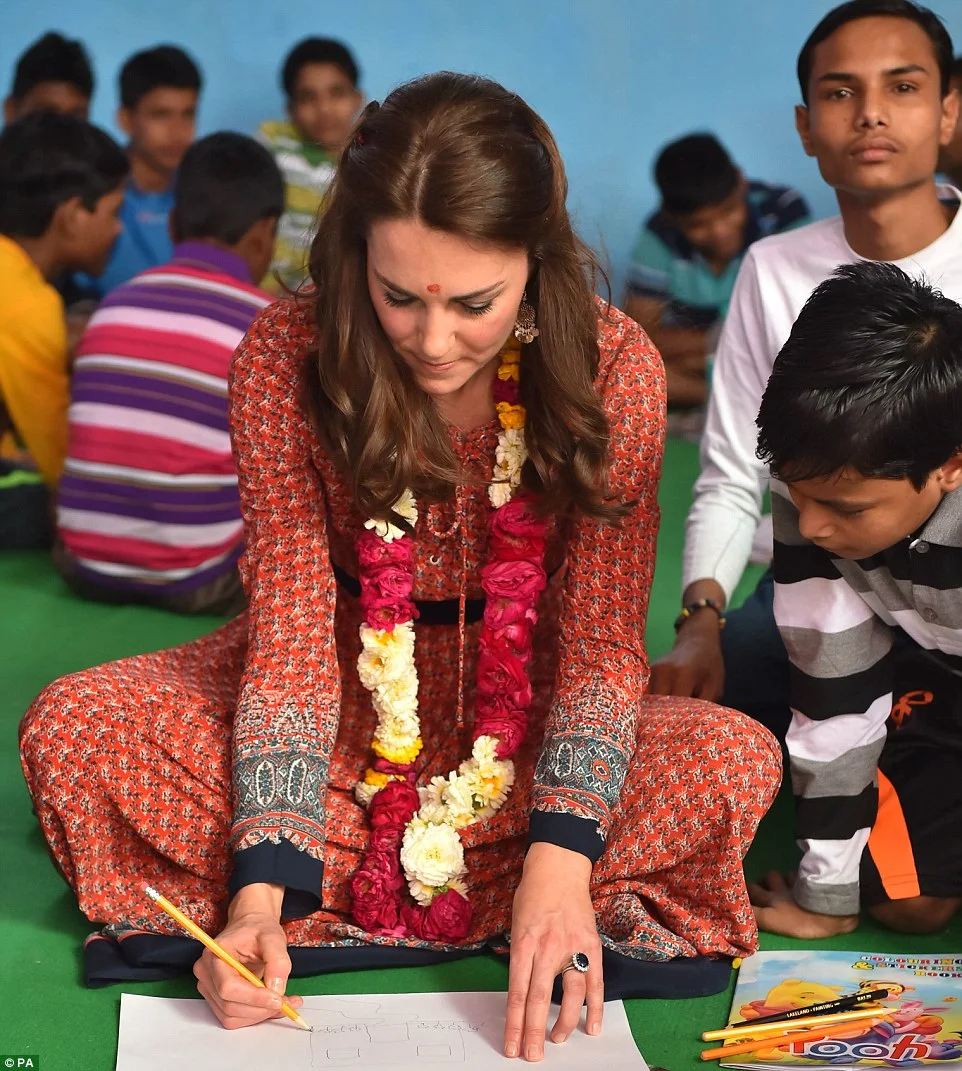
column 552, row 919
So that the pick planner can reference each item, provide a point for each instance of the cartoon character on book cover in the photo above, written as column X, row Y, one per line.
column 920, row 1023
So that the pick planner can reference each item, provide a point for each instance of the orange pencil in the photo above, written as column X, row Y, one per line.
column 781, row 1041
column 222, row 954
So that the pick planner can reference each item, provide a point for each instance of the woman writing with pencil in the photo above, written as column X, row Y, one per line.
column 431, row 729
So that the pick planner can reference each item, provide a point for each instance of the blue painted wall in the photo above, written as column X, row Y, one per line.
column 615, row 79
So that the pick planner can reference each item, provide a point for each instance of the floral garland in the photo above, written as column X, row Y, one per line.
column 415, row 837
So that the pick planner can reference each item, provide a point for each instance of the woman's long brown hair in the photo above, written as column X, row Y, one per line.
column 462, row 155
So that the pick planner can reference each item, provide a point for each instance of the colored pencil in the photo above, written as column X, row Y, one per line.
column 827, row 1007
column 221, row 953
column 800, row 1024
column 781, row 1041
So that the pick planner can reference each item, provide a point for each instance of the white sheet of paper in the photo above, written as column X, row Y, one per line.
column 387, row 1032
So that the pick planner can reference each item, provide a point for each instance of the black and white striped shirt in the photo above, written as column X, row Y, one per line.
column 837, row 619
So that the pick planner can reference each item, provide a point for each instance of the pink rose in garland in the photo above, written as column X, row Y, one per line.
column 506, row 676
column 387, row 579
column 520, row 581
column 383, row 766
column 499, row 613
column 517, row 532
column 450, row 914
column 505, row 391
column 394, row 806
column 373, row 552
column 377, row 883
column 387, row 582
column 376, row 886
column 374, row 913
column 513, row 639
column 386, row 592
column 447, row 919
column 388, row 615
column 507, row 723
column 384, row 845
column 518, row 519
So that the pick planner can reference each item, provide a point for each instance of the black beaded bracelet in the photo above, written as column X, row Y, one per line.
column 699, row 604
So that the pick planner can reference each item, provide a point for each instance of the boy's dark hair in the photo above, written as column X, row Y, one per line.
column 840, row 16
column 53, row 58
column 225, row 184
column 45, row 160
column 694, row 172
column 163, row 67
column 956, row 72
column 317, row 50
column 870, row 378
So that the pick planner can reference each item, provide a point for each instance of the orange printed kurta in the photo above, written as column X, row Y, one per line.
column 157, row 768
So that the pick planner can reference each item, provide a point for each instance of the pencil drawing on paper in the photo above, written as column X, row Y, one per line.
column 382, row 1031
column 362, row 1037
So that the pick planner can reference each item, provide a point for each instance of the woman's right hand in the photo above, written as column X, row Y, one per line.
column 254, row 936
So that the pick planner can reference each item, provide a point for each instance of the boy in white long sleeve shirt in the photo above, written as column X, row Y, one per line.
column 874, row 76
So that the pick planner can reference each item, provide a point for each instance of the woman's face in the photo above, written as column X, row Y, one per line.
column 446, row 305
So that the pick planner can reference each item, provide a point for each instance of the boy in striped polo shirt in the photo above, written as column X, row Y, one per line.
column 320, row 81
column 148, row 508
column 861, row 424
column 685, row 262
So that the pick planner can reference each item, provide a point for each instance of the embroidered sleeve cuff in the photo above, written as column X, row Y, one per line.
column 582, row 835
column 580, row 774
column 281, row 864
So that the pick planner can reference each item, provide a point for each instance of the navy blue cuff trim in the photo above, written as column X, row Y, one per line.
column 582, row 835
column 281, row 864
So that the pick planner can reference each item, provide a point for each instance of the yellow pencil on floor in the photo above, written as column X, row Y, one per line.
column 788, row 1024
column 222, row 954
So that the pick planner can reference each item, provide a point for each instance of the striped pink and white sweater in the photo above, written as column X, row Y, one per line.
column 148, row 501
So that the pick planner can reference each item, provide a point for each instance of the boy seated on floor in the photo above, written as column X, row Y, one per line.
column 688, row 253
column 159, row 92
column 148, row 509
column 61, row 184
column 861, row 424
column 53, row 75
column 320, row 81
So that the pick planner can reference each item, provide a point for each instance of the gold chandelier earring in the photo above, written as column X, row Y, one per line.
column 525, row 330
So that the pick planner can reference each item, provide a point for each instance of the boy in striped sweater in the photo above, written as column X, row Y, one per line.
column 861, row 424
column 148, row 508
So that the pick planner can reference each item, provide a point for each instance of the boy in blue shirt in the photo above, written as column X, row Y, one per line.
column 159, row 90
column 688, row 253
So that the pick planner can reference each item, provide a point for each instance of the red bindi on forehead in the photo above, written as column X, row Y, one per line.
column 434, row 288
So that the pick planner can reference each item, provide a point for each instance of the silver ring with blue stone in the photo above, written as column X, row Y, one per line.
column 579, row 963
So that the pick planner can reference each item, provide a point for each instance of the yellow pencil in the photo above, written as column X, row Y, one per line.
column 781, row 1041
column 205, row 939
column 787, row 1024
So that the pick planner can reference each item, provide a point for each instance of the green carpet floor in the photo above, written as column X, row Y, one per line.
column 46, row 1011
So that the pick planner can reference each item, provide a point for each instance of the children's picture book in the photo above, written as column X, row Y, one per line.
column 919, row 1023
